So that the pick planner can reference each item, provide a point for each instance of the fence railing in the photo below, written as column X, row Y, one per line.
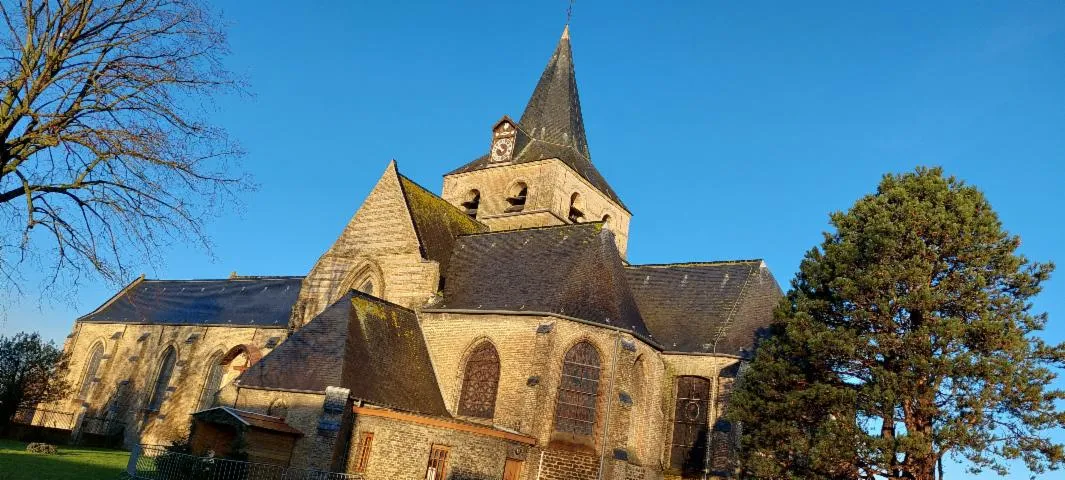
column 155, row 462
column 102, row 426
column 45, row 418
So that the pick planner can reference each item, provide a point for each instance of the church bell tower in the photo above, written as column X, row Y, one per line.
column 538, row 171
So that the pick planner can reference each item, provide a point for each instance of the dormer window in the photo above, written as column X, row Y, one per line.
column 472, row 203
column 516, row 197
column 576, row 208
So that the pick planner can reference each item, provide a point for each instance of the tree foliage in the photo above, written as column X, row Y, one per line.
column 30, row 373
column 106, row 153
column 908, row 335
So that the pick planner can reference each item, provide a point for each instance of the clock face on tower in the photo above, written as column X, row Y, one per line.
column 502, row 149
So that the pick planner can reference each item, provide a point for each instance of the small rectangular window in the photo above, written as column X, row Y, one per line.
column 363, row 459
column 437, row 469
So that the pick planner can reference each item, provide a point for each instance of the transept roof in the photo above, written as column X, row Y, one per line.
column 714, row 307
column 572, row 270
column 362, row 343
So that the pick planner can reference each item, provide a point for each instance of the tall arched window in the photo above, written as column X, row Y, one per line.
column 606, row 220
column 688, row 446
column 576, row 208
column 639, row 411
column 92, row 367
column 162, row 381
column 578, row 390
column 480, row 382
column 215, row 371
column 472, row 203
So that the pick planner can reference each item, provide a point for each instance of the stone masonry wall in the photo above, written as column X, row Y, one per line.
column 380, row 244
column 128, row 371
column 550, row 183
column 711, row 368
column 302, row 413
column 531, row 351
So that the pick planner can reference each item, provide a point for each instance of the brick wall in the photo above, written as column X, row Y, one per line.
column 565, row 465
column 401, row 450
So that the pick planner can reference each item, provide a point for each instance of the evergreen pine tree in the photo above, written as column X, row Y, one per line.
column 908, row 335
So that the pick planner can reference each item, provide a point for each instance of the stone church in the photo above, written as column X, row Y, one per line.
column 495, row 330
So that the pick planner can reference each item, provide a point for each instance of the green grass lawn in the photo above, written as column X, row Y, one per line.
column 71, row 462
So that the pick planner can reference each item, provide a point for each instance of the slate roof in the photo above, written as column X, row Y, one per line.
column 238, row 301
column 245, row 419
column 572, row 270
column 370, row 346
column 705, row 307
column 436, row 222
column 552, row 125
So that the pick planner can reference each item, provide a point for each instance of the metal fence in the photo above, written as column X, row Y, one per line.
column 102, row 426
column 155, row 462
column 45, row 418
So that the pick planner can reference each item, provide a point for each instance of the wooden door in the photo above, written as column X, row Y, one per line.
column 512, row 469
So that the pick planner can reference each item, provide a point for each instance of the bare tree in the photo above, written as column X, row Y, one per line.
column 106, row 151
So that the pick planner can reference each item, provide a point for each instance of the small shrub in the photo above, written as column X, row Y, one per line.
column 41, row 448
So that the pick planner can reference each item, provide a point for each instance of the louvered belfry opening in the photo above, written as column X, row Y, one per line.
column 516, row 198
column 576, row 208
column 480, row 382
column 688, row 446
column 472, row 203
column 578, row 391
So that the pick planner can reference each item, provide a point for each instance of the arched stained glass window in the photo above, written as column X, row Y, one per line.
column 480, row 381
column 578, row 390
column 162, row 381
column 92, row 367
column 215, row 371
column 688, row 446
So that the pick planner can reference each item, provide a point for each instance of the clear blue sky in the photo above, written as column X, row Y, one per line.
column 730, row 129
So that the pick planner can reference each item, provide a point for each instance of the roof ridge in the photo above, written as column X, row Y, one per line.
column 698, row 263
column 597, row 223
column 227, row 279
column 435, row 196
column 721, row 329
column 380, row 300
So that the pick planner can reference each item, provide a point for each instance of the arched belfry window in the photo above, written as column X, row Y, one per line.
column 215, row 372
column 606, row 221
column 162, row 379
column 578, row 391
column 576, row 208
column 92, row 368
column 688, row 446
column 516, row 197
column 472, row 203
column 480, row 381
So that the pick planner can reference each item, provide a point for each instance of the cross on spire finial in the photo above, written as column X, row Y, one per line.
column 569, row 12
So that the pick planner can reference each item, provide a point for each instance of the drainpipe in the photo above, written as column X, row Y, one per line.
column 610, row 401
column 540, row 466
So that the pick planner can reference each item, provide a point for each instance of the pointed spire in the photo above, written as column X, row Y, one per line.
column 553, row 114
